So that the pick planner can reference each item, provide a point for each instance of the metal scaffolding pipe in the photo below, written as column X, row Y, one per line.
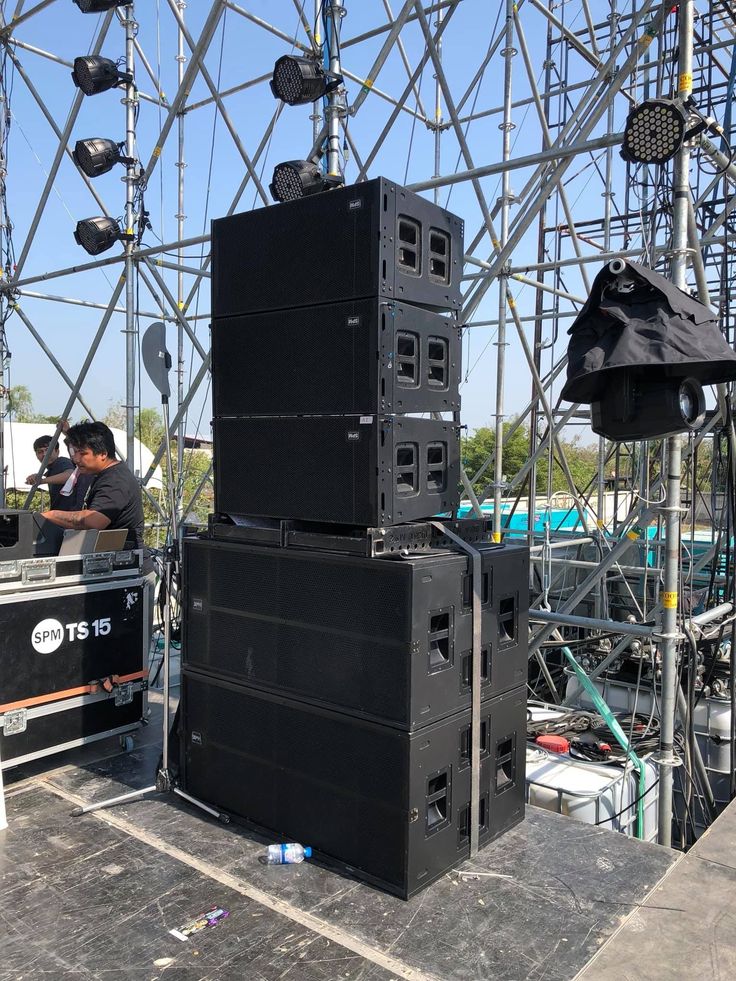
column 667, row 757
column 594, row 623
column 131, row 183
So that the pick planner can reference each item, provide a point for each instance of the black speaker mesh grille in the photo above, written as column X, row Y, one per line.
column 293, row 770
column 276, row 257
column 285, row 736
column 310, row 360
column 344, row 670
column 296, row 467
column 372, row 602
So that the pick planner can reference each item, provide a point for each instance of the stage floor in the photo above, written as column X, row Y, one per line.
column 95, row 896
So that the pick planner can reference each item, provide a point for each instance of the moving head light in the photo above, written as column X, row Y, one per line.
column 640, row 352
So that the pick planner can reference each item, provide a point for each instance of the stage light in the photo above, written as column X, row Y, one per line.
column 97, row 156
column 97, row 235
column 100, row 6
column 640, row 352
column 654, row 131
column 299, row 79
column 637, row 407
column 93, row 74
column 296, row 178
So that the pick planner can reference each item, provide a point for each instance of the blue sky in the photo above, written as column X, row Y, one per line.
column 242, row 51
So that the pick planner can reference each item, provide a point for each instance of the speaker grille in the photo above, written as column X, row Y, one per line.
column 315, row 360
column 278, row 257
column 261, row 468
column 358, row 597
column 358, row 673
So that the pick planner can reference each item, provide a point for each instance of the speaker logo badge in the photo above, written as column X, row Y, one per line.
column 353, row 321
column 353, row 435
column 47, row 636
column 355, row 204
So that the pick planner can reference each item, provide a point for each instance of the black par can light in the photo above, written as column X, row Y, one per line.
column 94, row 74
column 654, row 131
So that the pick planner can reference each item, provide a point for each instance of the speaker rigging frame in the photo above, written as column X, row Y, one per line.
column 475, row 682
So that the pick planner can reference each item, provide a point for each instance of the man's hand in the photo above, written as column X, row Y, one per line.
column 34, row 479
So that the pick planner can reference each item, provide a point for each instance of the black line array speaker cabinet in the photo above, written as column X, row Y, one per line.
column 354, row 470
column 391, row 805
column 386, row 639
column 360, row 357
column 373, row 239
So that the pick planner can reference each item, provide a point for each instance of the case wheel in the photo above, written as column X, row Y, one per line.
column 127, row 743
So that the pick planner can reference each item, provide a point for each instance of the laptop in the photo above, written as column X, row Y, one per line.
column 90, row 540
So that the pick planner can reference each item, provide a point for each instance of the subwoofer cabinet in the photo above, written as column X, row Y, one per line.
column 360, row 357
column 391, row 806
column 353, row 470
column 373, row 239
column 388, row 639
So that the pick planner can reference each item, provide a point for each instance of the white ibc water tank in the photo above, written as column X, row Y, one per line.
column 601, row 794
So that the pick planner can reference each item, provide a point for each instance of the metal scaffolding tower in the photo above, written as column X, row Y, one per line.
column 510, row 113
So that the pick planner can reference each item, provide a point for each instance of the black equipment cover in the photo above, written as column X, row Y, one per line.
column 654, row 328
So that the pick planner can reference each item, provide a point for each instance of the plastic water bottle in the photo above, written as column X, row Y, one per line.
column 290, row 854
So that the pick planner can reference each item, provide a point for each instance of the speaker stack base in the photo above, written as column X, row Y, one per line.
column 390, row 806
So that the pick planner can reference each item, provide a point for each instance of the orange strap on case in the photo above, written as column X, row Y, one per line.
column 91, row 689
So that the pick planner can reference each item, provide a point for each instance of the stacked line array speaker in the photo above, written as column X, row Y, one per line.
column 326, row 696
column 361, row 357
column 373, row 239
column 333, row 317
column 358, row 470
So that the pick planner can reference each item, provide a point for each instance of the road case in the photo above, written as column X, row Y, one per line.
column 53, row 571
column 73, row 665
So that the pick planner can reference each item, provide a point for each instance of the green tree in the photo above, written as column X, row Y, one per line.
column 20, row 406
column 477, row 447
column 20, row 403
column 582, row 460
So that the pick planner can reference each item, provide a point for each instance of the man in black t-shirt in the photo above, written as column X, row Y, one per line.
column 56, row 465
column 113, row 499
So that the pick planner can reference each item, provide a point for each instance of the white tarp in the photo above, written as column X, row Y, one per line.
column 20, row 460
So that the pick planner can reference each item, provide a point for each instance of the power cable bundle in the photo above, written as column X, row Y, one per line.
column 592, row 741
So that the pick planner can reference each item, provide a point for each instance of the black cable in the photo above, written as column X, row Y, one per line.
column 629, row 806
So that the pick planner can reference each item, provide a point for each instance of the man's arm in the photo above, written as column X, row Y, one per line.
column 77, row 519
column 57, row 478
